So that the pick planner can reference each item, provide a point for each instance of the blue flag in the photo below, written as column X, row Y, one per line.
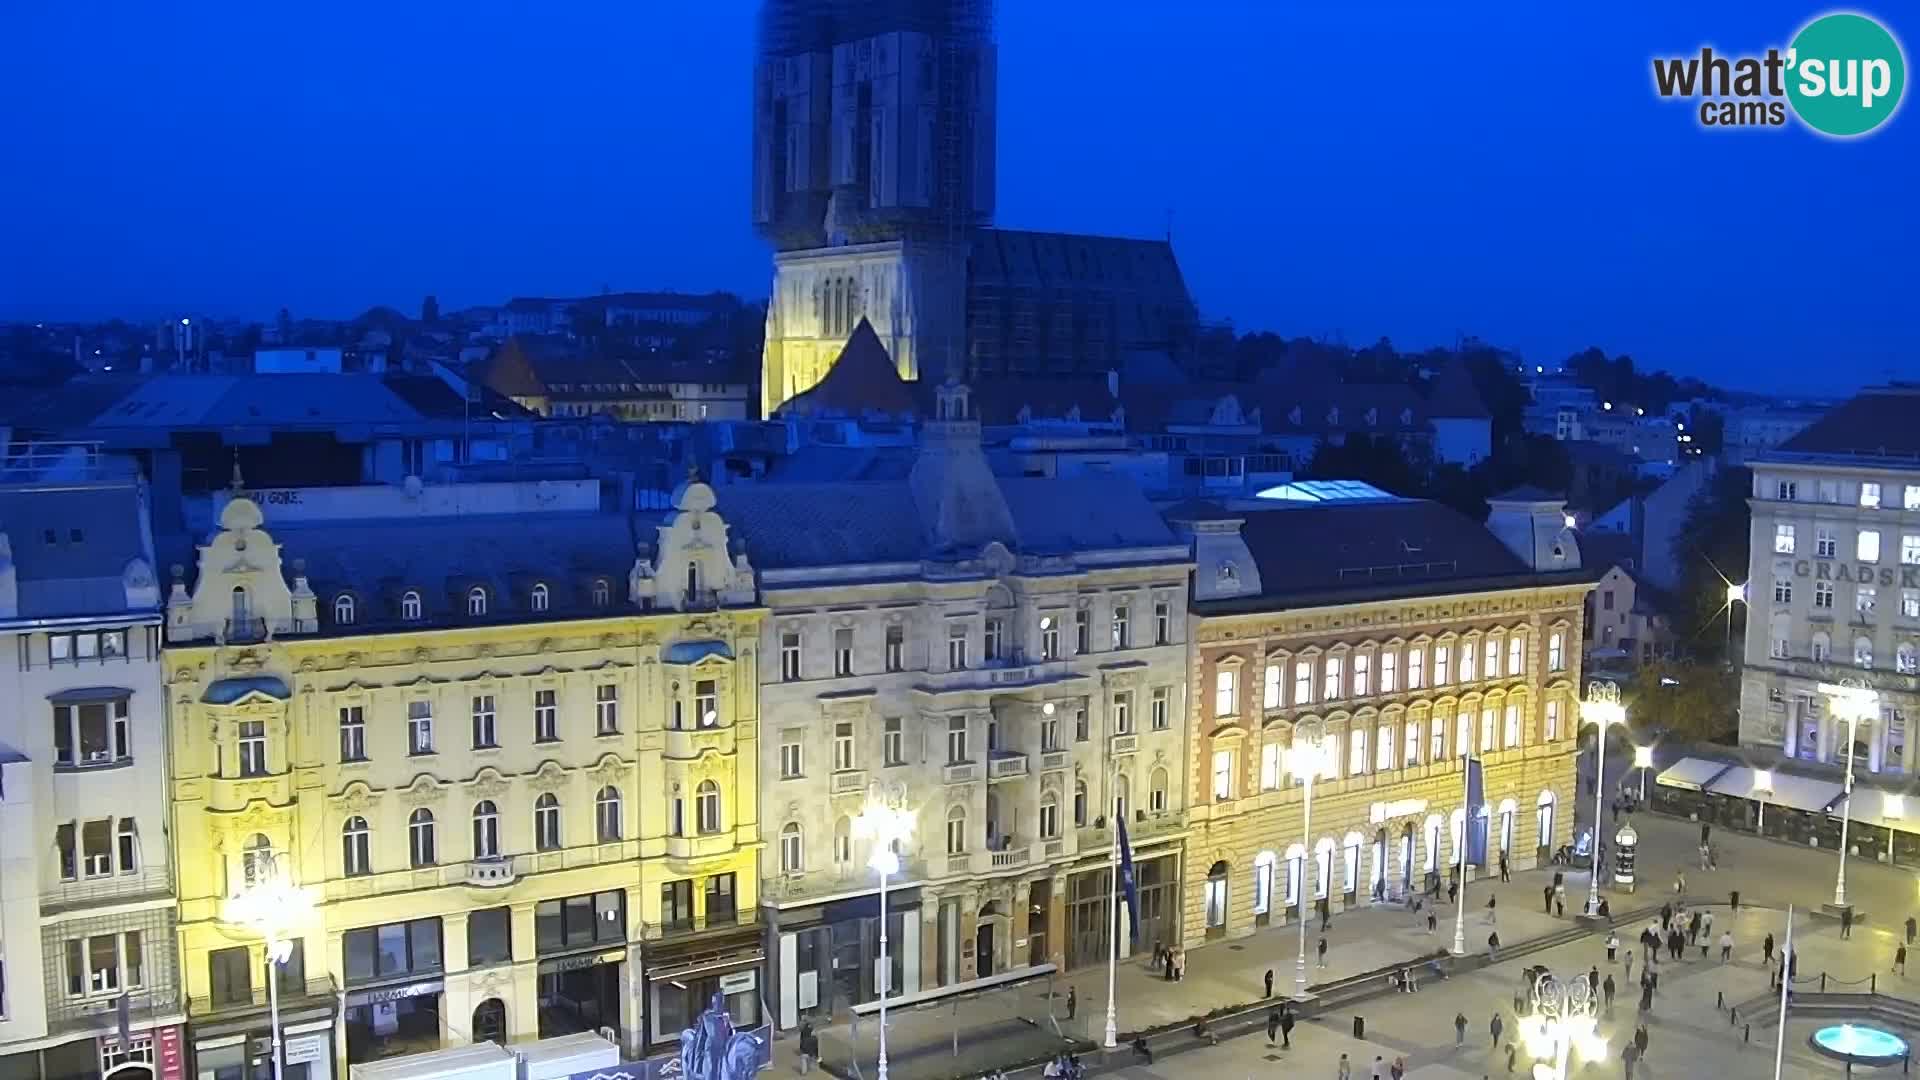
column 1475, row 826
column 1128, row 887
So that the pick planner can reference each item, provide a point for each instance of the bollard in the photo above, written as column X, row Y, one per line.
column 1733, row 1017
column 1720, row 1000
column 1748, row 1037
column 1823, row 982
column 1359, row 1027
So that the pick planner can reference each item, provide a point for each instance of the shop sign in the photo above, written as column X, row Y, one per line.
column 173, row 1063
column 393, row 993
column 301, row 1049
column 575, row 963
column 1858, row 573
column 739, row 982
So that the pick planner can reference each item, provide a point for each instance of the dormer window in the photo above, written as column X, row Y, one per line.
column 537, row 600
column 476, row 601
column 410, row 606
column 602, row 593
column 1228, row 574
column 343, row 610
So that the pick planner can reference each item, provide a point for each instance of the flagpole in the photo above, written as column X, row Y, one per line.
column 1113, row 918
column 1786, row 977
column 1466, row 817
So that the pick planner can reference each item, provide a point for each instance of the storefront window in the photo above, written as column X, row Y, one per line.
column 489, row 937
column 395, row 949
column 577, row 921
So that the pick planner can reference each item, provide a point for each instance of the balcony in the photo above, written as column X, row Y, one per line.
column 998, row 675
column 244, row 631
column 145, row 1008
column 107, row 888
column 1054, row 760
column 1009, row 859
column 1125, row 744
column 849, row 782
column 688, row 744
column 960, row 772
column 1006, row 765
column 491, row 873
column 695, row 925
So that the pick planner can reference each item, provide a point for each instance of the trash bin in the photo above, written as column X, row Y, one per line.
column 1359, row 1027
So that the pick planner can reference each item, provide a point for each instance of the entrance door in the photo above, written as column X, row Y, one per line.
column 1039, row 909
column 1406, row 859
column 983, row 951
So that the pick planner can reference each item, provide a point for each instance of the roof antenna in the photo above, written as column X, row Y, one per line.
column 236, row 485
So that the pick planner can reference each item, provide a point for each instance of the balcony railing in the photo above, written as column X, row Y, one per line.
column 245, row 630
column 1009, row 674
column 488, row 873
column 1126, row 744
column 1012, row 857
column 960, row 772
column 1054, row 759
column 853, row 780
column 1006, row 765
column 292, row 994
column 145, row 1008
column 712, row 920
column 86, row 892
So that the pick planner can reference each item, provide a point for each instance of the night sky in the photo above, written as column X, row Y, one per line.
column 1332, row 169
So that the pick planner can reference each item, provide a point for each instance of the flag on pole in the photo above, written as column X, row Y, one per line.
column 1473, row 826
column 1128, row 885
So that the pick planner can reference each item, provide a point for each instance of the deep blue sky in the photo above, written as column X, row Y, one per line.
column 1406, row 170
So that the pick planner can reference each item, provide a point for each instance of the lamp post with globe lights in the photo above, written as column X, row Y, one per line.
column 1308, row 754
column 884, row 823
column 1602, row 709
column 1852, row 701
column 1563, row 1021
column 272, row 906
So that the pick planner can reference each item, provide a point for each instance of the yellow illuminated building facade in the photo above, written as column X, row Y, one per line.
column 512, row 769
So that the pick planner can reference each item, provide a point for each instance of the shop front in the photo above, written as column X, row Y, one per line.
column 1157, row 878
column 828, row 954
column 395, row 993
column 685, row 973
column 581, row 942
column 233, row 1041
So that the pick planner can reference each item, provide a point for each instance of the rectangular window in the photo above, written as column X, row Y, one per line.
column 991, row 647
column 1866, row 546
column 606, row 709
column 353, row 734
column 1909, row 549
column 1161, row 711
column 1441, row 656
column 1416, row 669
column 1864, row 597
column 1271, row 755
column 230, row 975
column 1829, row 491
column 1302, row 682
column 1082, row 631
column 1550, row 725
column 1082, row 726
column 1910, row 603
column 893, row 741
column 956, row 646
column 1361, row 675
column 546, row 716
column 1333, row 678
column 1413, row 743
column 1383, row 749
column 1162, row 623
column 1783, row 591
column 1049, row 638
column 896, row 648
column 1270, row 689
column 483, row 733
column 1223, row 774
column 1783, row 539
column 1389, row 672
column 1556, row 658
column 843, row 650
column 1468, row 654
column 1437, row 743
column 253, row 748
column 1490, row 665
column 790, row 761
column 1516, row 655
column 790, row 656
column 676, row 904
column 1910, row 497
column 843, row 747
column 1049, row 733
column 706, row 703
column 1786, row 490
column 1823, row 596
column 96, row 848
column 1121, row 637
column 1356, row 751
column 1825, row 543
column 489, row 937
column 1870, row 495
column 957, row 740
column 1225, row 696
column 1123, row 713
column 419, row 727
column 1510, row 736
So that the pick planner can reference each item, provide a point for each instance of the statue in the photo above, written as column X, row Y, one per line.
column 713, row 1050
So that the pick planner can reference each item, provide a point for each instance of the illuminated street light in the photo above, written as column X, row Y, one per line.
column 273, row 907
column 885, row 822
column 1852, row 701
column 1602, row 709
column 1309, row 750
column 1643, row 760
column 1562, row 1021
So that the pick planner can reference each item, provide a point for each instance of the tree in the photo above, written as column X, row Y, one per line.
column 1378, row 461
column 1692, row 702
column 1711, row 550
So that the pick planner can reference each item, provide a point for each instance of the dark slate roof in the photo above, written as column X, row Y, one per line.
column 1285, row 409
column 1453, row 394
column 431, row 396
column 1406, row 547
column 69, row 576
column 1601, row 551
column 1883, row 421
column 862, row 381
column 1000, row 401
column 1092, row 511
column 229, row 690
column 378, row 561
column 1527, row 493
column 1199, row 510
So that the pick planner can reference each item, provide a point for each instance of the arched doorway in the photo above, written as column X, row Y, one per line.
column 1350, row 868
column 1216, row 900
column 490, row 1022
column 1296, row 874
column 1377, row 887
column 1322, row 868
column 1406, row 858
column 1543, row 825
column 1263, row 870
column 984, row 939
column 132, row 1070
column 1508, row 809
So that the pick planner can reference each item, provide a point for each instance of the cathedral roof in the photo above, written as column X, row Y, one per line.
column 863, row 381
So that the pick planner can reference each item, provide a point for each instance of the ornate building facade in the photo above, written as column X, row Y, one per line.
column 512, row 766
column 1005, row 659
column 1379, row 642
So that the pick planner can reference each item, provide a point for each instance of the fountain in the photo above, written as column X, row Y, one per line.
column 1857, row 1044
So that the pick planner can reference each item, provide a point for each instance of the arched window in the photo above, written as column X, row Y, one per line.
column 1215, row 898
column 1049, row 816
column 410, row 606
column 476, row 601
column 546, row 822
column 843, row 841
column 602, row 593
column 706, row 799
column 537, row 599
column 1543, row 820
column 606, row 814
column 1263, row 867
column 1905, row 660
column 957, row 830
column 1822, row 647
column 792, row 851
column 343, row 610
column 486, row 830
column 420, row 837
column 1863, row 651
column 1157, row 792
column 242, row 607
column 490, row 1022
column 256, row 860
column 1079, row 804
column 356, row 847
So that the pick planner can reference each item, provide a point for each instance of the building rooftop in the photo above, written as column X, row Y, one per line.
column 75, row 551
column 863, row 381
column 1877, row 423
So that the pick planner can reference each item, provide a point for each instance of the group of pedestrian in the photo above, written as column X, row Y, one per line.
column 1553, row 897
column 1280, row 1022
column 1171, row 960
column 1635, row 1051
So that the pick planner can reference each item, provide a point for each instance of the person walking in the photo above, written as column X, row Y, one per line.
column 1726, row 946
column 1546, row 900
column 1399, row 1069
column 1607, row 990
column 1640, row 1040
column 1706, row 922
column 1493, row 947
column 1286, row 1026
column 1453, row 891
column 1432, row 921
column 1073, row 997
column 1560, row 905
column 1679, row 883
column 1269, row 992
column 1273, row 1025
column 1693, row 928
column 1490, row 910
column 1459, row 1029
column 1345, row 1071
column 1629, row 965
column 1506, row 874
column 1766, row 950
column 1179, row 964
column 1323, row 950
column 1846, row 922
column 1911, row 926
column 1593, row 979
column 1900, row 959
column 1613, row 947
column 1560, row 896
column 809, row 1046
column 1379, row 1071
column 1494, row 1027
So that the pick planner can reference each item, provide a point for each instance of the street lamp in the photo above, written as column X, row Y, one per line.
column 1736, row 594
column 1309, row 754
column 1643, row 760
column 1852, row 701
column 884, row 822
column 1562, row 1020
column 273, row 907
column 1602, row 709
column 1762, row 787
